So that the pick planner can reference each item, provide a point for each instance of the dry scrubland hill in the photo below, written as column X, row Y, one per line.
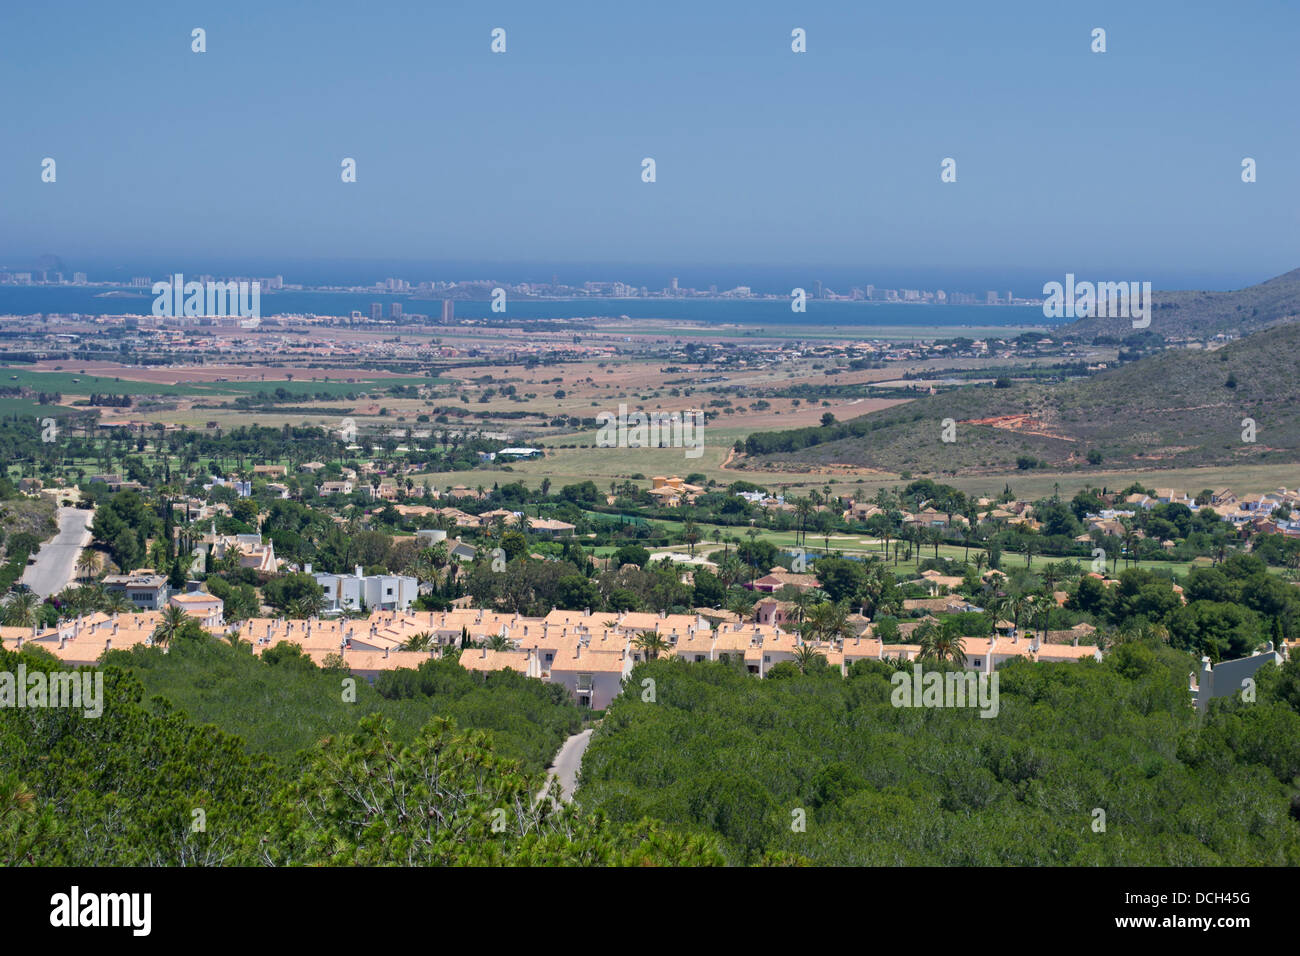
column 1176, row 409
column 1200, row 315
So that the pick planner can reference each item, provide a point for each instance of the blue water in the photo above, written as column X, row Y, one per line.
column 32, row 300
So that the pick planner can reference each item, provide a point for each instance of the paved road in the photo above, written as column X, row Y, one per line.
column 566, row 765
column 56, row 562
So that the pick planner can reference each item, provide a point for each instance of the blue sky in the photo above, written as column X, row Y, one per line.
column 1125, row 163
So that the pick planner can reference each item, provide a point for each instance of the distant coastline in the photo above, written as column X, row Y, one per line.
column 703, row 311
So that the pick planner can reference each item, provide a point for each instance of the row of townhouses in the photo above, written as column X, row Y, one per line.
column 590, row 655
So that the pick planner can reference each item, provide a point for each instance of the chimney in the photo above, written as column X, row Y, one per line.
column 1205, row 686
column 358, row 570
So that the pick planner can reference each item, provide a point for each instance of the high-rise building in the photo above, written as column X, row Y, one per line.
column 376, row 311
column 448, row 310
column 79, row 278
column 395, row 310
column 991, row 298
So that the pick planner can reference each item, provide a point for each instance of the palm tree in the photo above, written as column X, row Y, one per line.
column 1031, row 545
column 20, row 609
column 730, row 570
column 1129, row 541
column 1041, row 603
column 1018, row 603
column 89, row 563
column 995, row 605
column 803, row 508
column 801, row 599
column 309, row 605
column 169, row 625
column 690, row 534
column 741, row 604
column 806, row 657
column 940, row 644
column 116, row 602
column 827, row 621
column 652, row 643
column 80, row 600
column 1051, row 574
column 422, row 641
column 1142, row 630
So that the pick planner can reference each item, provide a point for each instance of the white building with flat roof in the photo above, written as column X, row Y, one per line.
column 372, row 592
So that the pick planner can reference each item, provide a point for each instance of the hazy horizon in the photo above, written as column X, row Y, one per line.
column 816, row 165
column 764, row 278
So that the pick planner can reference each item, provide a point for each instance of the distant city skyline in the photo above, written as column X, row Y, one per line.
column 405, row 277
column 1125, row 163
column 51, row 273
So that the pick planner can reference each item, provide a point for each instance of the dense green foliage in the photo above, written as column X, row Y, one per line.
column 144, row 785
column 528, row 718
column 282, row 703
column 723, row 753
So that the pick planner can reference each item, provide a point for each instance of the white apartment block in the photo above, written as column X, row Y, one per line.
column 373, row 592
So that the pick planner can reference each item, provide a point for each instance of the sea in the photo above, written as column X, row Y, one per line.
column 716, row 313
